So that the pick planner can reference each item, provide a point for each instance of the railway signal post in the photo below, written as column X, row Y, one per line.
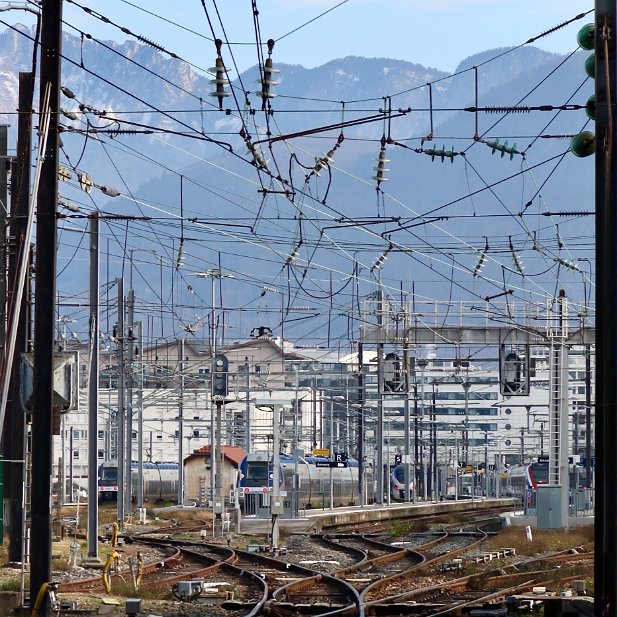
column 220, row 371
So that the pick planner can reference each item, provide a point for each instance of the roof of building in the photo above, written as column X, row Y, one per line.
column 234, row 454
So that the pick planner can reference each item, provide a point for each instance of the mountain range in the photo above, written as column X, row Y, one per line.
column 185, row 157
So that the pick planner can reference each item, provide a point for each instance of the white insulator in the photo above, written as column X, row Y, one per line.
column 266, row 95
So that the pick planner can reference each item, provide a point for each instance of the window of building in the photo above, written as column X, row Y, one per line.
column 100, row 454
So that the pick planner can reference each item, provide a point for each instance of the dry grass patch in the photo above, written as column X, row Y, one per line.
column 544, row 540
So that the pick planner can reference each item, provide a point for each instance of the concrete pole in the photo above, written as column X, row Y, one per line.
column 46, row 249
column 247, row 412
column 361, row 428
column 379, row 470
column 181, row 428
column 20, row 207
column 213, row 407
column 407, row 428
column 422, row 363
column 275, row 502
column 128, row 474
column 219, row 504
column 140, row 424
column 331, row 432
column 121, row 415
column 93, row 391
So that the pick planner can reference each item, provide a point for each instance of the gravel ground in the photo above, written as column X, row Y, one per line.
column 95, row 602
column 315, row 555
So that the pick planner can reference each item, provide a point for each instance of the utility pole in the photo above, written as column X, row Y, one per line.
column 4, row 210
column 121, row 415
column 605, row 545
column 247, row 411
column 181, row 428
column 379, row 432
column 407, row 437
column 46, row 244
column 140, row 427
column 129, row 350
column 276, row 506
column 20, row 205
column 361, row 429
column 93, row 391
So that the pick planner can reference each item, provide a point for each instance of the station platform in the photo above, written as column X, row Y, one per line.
column 316, row 521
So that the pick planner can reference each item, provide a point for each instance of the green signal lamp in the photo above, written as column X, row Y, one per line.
column 586, row 37
column 590, row 66
column 590, row 107
column 583, row 144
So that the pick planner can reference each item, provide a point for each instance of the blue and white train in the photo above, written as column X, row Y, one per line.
column 313, row 481
column 160, row 481
column 397, row 483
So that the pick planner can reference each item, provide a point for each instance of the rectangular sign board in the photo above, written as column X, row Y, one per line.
column 321, row 452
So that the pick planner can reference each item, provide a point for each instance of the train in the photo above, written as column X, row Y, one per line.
column 397, row 483
column 255, row 481
column 160, row 481
column 523, row 478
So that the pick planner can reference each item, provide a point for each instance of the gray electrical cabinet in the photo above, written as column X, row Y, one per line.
column 549, row 507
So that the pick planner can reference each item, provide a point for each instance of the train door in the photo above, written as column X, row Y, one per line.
column 250, row 505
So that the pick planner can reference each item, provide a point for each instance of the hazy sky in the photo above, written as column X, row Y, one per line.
column 436, row 33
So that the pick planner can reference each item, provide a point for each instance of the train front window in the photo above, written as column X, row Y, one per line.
column 399, row 473
column 109, row 474
column 539, row 472
column 257, row 471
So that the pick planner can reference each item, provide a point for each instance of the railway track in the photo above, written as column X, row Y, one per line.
column 350, row 573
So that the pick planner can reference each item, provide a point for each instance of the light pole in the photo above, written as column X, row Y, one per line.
column 213, row 274
column 331, row 400
column 422, row 363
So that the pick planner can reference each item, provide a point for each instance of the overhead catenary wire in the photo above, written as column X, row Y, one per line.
column 327, row 244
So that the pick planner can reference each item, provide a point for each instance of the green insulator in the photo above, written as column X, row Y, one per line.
column 590, row 66
column 583, row 144
column 590, row 107
column 586, row 36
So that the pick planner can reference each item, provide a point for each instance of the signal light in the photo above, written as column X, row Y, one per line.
column 513, row 371
column 220, row 370
column 586, row 37
column 584, row 144
column 393, row 375
column 590, row 107
column 590, row 66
